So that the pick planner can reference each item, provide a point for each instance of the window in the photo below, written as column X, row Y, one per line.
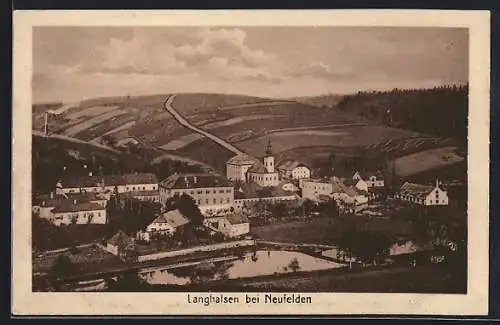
column 199, row 192
column 221, row 191
column 144, row 187
column 154, row 187
column 215, row 201
column 207, row 192
column 206, row 201
column 191, row 192
column 228, row 190
column 227, row 200
column 221, row 201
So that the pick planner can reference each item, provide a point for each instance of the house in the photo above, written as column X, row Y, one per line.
column 70, row 212
column 165, row 224
column 249, row 169
column 359, row 184
column 294, row 169
column 212, row 193
column 44, row 204
column 319, row 189
column 423, row 194
column 313, row 188
column 144, row 195
column 231, row 225
column 372, row 179
column 120, row 244
column 108, row 183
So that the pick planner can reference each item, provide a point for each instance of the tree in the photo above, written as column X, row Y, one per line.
column 294, row 265
column 187, row 206
column 62, row 266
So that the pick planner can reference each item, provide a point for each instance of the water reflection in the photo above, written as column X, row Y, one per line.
column 246, row 265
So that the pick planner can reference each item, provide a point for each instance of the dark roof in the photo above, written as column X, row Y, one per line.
column 174, row 218
column 120, row 239
column 70, row 206
column 242, row 160
column 82, row 181
column 236, row 218
column 187, row 181
column 47, row 201
column 417, row 190
column 350, row 182
column 109, row 180
column 258, row 167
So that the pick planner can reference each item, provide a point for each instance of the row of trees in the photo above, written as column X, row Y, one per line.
column 367, row 246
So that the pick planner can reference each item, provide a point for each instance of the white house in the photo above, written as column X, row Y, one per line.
column 121, row 183
column 313, row 188
column 119, row 244
column 166, row 223
column 294, row 169
column 423, row 194
column 231, row 225
column 79, row 213
column 372, row 179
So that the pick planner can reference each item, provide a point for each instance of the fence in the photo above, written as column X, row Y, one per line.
column 206, row 248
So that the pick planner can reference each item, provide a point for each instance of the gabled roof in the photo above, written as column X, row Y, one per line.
column 417, row 190
column 187, row 181
column 257, row 168
column 173, row 218
column 254, row 191
column 367, row 174
column 242, row 160
column 120, row 239
column 140, row 178
column 236, row 218
column 70, row 206
column 82, row 181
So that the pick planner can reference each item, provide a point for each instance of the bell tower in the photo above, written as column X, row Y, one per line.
column 269, row 158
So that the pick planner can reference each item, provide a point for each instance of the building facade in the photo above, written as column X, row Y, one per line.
column 294, row 169
column 78, row 213
column 212, row 193
column 110, row 183
column 166, row 224
column 238, row 166
column 372, row 179
column 423, row 194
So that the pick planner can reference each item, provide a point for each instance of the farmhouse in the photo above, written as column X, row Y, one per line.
column 80, row 213
column 294, row 169
column 110, row 183
column 248, row 169
column 317, row 189
column 423, row 194
column 212, row 193
column 313, row 188
column 166, row 224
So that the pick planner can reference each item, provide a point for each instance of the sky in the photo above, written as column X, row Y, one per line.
column 75, row 63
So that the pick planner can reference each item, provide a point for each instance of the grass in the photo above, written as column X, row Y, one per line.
column 327, row 230
column 194, row 103
column 92, row 121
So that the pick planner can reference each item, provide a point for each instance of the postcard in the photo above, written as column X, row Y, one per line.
column 232, row 162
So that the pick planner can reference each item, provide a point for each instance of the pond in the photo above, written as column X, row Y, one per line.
column 248, row 265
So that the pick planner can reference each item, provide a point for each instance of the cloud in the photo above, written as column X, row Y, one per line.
column 321, row 70
column 228, row 44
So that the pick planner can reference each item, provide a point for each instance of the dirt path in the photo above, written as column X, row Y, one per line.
column 185, row 123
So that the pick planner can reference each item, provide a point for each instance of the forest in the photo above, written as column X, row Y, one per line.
column 440, row 111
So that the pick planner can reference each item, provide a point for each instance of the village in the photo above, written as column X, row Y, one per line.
column 206, row 216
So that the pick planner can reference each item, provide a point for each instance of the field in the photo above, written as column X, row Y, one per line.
column 328, row 230
column 300, row 127
column 427, row 160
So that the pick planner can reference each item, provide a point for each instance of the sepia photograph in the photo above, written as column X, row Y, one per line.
column 278, row 161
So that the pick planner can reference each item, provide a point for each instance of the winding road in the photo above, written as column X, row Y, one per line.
column 185, row 123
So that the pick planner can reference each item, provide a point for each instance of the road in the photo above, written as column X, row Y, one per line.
column 185, row 123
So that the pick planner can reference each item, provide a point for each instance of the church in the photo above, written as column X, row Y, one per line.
column 248, row 169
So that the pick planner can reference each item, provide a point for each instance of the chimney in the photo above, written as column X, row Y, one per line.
column 90, row 173
column 74, row 201
column 51, row 195
column 185, row 179
column 195, row 179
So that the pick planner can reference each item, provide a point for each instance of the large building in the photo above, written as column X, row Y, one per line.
column 249, row 194
column 137, row 182
column 294, row 169
column 373, row 180
column 44, row 204
column 212, row 193
column 317, row 189
column 249, row 169
column 423, row 194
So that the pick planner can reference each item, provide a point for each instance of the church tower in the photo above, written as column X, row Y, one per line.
column 269, row 158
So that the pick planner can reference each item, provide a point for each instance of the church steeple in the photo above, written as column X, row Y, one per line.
column 269, row 148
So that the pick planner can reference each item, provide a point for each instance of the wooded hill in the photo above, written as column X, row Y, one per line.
column 440, row 111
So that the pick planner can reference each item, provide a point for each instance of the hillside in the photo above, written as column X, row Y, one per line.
column 330, row 100
column 297, row 130
column 440, row 111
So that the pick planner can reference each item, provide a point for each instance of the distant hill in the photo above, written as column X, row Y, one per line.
column 440, row 111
